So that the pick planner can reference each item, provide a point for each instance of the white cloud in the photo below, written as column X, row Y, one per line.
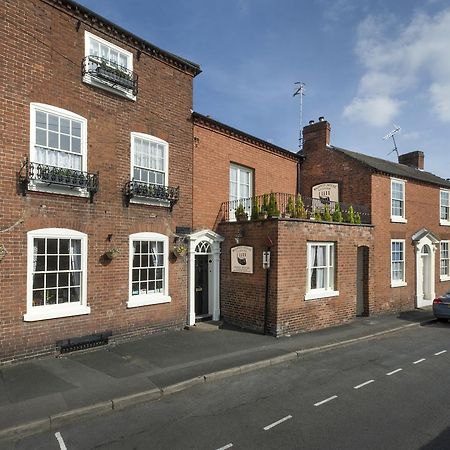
column 397, row 67
column 377, row 111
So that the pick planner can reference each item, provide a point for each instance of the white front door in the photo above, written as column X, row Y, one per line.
column 425, row 262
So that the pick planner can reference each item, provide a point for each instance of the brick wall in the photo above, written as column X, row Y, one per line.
column 42, row 53
column 215, row 149
column 243, row 295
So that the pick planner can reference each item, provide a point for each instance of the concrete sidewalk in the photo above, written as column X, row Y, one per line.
column 42, row 394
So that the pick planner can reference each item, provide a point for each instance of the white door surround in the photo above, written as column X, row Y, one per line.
column 425, row 243
column 205, row 242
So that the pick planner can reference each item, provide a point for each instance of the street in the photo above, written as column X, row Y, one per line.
column 392, row 392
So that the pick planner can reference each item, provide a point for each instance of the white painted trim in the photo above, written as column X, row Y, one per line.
column 444, row 222
column 399, row 219
column 90, row 80
column 398, row 283
column 148, row 299
column 395, row 284
column 420, row 300
column 443, row 277
column 320, row 293
column 35, row 313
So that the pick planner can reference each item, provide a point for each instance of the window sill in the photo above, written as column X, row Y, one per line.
column 312, row 295
column 147, row 300
column 395, row 284
column 397, row 219
column 55, row 312
column 444, row 223
column 150, row 202
column 444, row 278
column 57, row 189
column 104, row 85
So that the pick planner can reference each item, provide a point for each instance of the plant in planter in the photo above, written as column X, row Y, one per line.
column 357, row 218
column 180, row 249
column 337, row 214
column 326, row 214
column 240, row 213
column 114, row 74
column 255, row 209
column 317, row 216
column 350, row 216
column 264, row 207
column 290, row 208
column 272, row 209
column 112, row 253
column 300, row 211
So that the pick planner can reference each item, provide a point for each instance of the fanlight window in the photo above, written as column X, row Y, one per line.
column 203, row 248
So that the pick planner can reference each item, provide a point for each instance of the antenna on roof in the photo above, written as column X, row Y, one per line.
column 300, row 91
column 392, row 135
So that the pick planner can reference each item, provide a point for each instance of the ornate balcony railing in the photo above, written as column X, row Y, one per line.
column 110, row 74
column 32, row 172
column 311, row 206
column 151, row 192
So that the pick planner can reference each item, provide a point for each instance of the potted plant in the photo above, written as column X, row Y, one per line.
column 255, row 209
column 350, row 216
column 240, row 213
column 357, row 218
column 180, row 249
column 337, row 214
column 326, row 214
column 272, row 209
column 317, row 216
column 300, row 211
column 290, row 208
column 112, row 253
column 264, row 207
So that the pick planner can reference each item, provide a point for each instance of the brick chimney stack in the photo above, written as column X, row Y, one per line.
column 413, row 159
column 316, row 135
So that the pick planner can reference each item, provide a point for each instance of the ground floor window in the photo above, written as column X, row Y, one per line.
column 397, row 263
column 445, row 266
column 320, row 270
column 148, row 269
column 57, row 260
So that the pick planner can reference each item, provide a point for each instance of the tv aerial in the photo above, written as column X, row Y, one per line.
column 300, row 91
column 392, row 135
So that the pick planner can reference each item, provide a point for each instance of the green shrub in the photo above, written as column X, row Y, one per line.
column 317, row 215
column 326, row 214
column 350, row 216
column 300, row 211
column 290, row 208
column 337, row 214
column 255, row 208
column 272, row 209
column 358, row 218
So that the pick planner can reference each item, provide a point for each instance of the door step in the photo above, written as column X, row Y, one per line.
column 203, row 318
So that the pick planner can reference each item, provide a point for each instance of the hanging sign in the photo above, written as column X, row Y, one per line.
column 242, row 259
column 326, row 191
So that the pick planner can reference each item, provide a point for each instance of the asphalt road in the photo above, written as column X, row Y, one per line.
column 389, row 393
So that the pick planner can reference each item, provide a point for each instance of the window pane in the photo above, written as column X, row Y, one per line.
column 50, row 297
column 50, row 279
column 64, row 142
column 75, row 294
column 53, row 140
column 63, row 279
column 64, row 125
column 123, row 60
column 53, row 122
column 76, row 128
column 76, row 145
column 41, row 137
column 39, row 246
column 41, row 119
column 64, row 246
column 63, row 295
column 38, row 298
column 38, row 281
column 64, row 263
column 52, row 263
column 40, row 264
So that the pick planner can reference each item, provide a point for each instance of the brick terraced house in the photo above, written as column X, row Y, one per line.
column 410, row 210
column 96, row 161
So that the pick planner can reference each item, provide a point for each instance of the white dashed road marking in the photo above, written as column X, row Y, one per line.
column 419, row 361
column 226, row 446
column 268, row 427
column 394, row 371
column 363, row 384
column 60, row 440
column 325, row 401
column 440, row 353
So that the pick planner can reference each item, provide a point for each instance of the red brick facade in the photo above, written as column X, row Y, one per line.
column 43, row 44
column 216, row 146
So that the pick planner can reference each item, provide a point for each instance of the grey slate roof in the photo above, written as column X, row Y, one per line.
column 392, row 168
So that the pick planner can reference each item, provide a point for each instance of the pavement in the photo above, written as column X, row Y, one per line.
column 41, row 395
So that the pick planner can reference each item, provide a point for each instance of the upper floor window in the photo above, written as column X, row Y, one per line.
column 57, row 270
column 149, row 281
column 320, row 270
column 398, row 201
column 445, row 261
column 398, row 263
column 445, row 207
column 241, row 189
column 108, row 66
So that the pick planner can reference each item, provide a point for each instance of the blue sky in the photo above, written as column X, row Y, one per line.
column 367, row 65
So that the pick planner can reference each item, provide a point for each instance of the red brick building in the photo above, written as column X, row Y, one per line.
column 410, row 210
column 96, row 162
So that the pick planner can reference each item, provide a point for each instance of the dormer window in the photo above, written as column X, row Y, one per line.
column 109, row 67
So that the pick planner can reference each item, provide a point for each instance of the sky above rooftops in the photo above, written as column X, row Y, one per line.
column 366, row 64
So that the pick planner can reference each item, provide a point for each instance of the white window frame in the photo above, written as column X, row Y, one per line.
column 444, row 221
column 396, row 218
column 235, row 202
column 330, row 266
column 104, row 85
column 150, row 138
column 45, row 312
column 446, row 276
column 398, row 283
column 154, row 298
column 36, row 185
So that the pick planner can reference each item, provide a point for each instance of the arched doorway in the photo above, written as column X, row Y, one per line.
column 204, row 276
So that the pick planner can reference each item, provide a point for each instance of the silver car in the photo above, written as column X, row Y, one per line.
column 441, row 306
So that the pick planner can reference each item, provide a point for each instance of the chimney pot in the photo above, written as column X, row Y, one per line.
column 413, row 159
column 321, row 119
column 311, row 122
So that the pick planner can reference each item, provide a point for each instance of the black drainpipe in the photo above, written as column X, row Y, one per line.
column 266, row 301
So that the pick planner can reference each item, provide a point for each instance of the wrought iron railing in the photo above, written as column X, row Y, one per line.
column 32, row 172
column 288, row 205
column 151, row 192
column 109, row 73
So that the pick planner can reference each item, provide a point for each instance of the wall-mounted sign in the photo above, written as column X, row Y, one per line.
column 326, row 191
column 242, row 259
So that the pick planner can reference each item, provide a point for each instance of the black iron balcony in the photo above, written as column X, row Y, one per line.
column 110, row 74
column 32, row 172
column 151, row 192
